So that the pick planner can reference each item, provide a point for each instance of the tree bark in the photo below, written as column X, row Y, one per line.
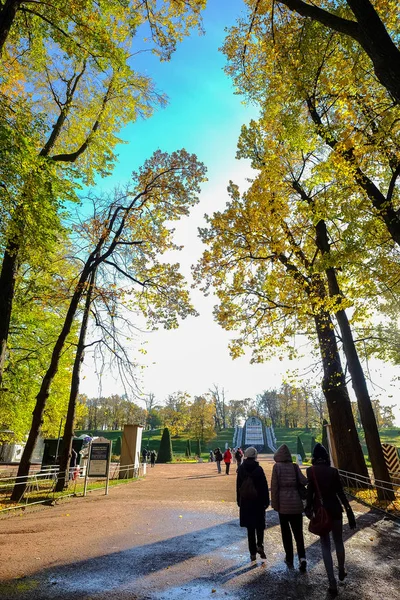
column 8, row 278
column 359, row 383
column 43, row 394
column 7, row 16
column 68, row 435
column 348, row 447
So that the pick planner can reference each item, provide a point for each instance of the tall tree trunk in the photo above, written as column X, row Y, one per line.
column 68, row 434
column 7, row 16
column 348, row 447
column 379, row 46
column 8, row 278
column 43, row 394
column 359, row 383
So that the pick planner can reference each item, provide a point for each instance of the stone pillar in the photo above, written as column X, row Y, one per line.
column 130, row 451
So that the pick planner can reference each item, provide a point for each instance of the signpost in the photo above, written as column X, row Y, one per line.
column 99, row 462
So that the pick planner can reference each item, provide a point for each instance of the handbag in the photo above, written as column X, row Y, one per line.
column 301, row 488
column 321, row 522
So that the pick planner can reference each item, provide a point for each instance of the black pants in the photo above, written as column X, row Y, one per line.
column 251, row 536
column 227, row 467
column 295, row 523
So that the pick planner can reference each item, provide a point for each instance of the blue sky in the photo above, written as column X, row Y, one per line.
column 204, row 116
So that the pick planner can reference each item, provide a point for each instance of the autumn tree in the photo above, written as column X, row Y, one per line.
column 218, row 397
column 201, row 419
column 374, row 29
column 319, row 93
column 131, row 235
column 268, row 290
column 41, row 298
column 175, row 413
column 74, row 62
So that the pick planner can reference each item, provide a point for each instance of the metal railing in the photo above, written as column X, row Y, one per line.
column 374, row 492
column 41, row 485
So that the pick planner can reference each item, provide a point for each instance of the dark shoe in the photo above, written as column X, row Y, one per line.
column 260, row 550
column 342, row 574
column 303, row 565
column 332, row 590
column 289, row 563
column 253, row 557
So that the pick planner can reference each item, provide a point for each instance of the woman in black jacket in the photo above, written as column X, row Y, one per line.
column 252, row 496
column 324, row 480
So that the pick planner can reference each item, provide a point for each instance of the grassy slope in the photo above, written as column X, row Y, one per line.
column 151, row 439
column 289, row 437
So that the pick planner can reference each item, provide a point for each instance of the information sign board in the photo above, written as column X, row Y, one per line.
column 99, row 459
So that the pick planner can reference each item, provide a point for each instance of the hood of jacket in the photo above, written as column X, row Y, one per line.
column 283, row 454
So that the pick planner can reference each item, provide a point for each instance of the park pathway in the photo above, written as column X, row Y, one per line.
column 175, row 536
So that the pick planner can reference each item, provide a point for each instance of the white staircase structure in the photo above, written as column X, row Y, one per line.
column 254, row 432
column 237, row 437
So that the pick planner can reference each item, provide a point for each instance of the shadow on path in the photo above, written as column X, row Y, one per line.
column 212, row 562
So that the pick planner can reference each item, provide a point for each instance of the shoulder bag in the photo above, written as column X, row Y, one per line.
column 320, row 522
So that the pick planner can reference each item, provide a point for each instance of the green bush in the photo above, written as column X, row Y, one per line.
column 117, row 445
column 300, row 448
column 164, row 454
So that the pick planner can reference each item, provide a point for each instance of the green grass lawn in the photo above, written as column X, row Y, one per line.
column 289, row 437
column 151, row 439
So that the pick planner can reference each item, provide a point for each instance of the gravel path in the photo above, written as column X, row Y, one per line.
column 173, row 536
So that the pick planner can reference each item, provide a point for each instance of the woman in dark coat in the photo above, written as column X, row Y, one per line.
column 321, row 476
column 252, row 509
column 285, row 499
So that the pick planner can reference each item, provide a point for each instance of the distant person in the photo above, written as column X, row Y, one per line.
column 227, row 460
column 153, row 456
column 144, row 455
column 252, row 497
column 286, row 500
column 72, row 463
column 211, row 457
column 239, row 458
column 324, row 482
column 218, row 458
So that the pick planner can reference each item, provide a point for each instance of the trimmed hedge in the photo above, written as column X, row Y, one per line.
column 165, row 454
column 300, row 448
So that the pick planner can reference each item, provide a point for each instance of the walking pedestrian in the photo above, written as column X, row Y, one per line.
column 211, row 457
column 227, row 460
column 153, row 456
column 238, row 457
column 144, row 455
column 252, row 497
column 286, row 500
column 218, row 458
column 325, row 488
